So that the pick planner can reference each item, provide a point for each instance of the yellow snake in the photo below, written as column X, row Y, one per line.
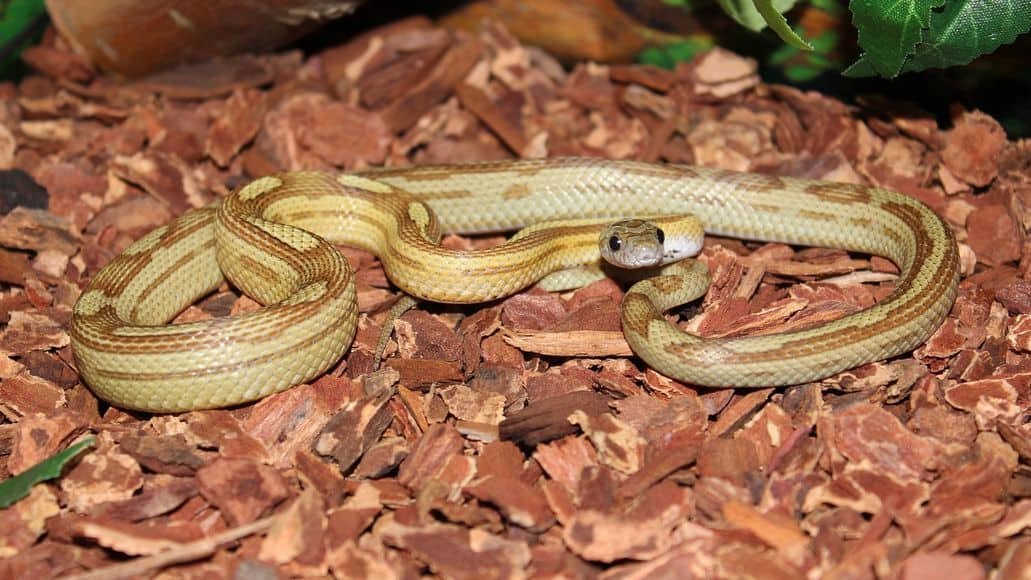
column 129, row 355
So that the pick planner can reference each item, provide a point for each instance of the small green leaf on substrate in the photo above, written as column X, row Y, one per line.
column 955, row 34
column 17, row 487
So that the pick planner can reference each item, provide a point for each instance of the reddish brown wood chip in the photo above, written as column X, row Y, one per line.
column 241, row 489
column 38, row 230
column 170, row 454
column 209, row 79
column 351, row 432
column 160, row 495
column 993, row 235
column 867, row 435
column 235, row 125
column 548, row 419
column 521, row 503
column 428, row 458
column 606, row 538
column 973, row 148
column 434, row 87
column 455, row 552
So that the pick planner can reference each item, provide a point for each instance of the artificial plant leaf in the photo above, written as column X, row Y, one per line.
column 967, row 29
column 746, row 14
column 959, row 32
column 668, row 55
column 861, row 68
column 21, row 23
column 889, row 31
column 779, row 24
column 17, row 487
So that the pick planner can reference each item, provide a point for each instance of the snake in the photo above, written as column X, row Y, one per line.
column 273, row 238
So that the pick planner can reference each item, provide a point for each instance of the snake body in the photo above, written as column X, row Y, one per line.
column 259, row 237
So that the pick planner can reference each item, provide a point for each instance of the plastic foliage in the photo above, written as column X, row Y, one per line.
column 19, row 486
column 897, row 36
column 21, row 23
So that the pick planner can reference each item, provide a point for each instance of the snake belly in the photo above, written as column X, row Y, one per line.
column 259, row 237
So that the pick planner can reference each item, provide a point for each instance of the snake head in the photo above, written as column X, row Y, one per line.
column 636, row 243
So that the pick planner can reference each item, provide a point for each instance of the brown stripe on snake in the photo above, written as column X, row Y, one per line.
column 268, row 357
column 766, row 208
column 446, row 173
column 254, row 236
column 662, row 171
column 170, row 236
column 847, row 193
column 258, row 268
column 516, row 191
column 757, row 182
column 258, row 337
column 817, row 216
column 861, row 222
column 480, row 262
column 194, row 333
column 160, row 280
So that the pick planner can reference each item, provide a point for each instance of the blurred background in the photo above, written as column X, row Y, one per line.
column 953, row 53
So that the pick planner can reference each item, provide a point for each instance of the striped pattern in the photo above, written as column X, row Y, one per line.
column 259, row 237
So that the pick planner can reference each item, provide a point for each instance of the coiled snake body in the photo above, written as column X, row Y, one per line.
column 130, row 357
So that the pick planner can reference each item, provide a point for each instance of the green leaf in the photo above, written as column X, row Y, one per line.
column 21, row 23
column 747, row 14
column 779, row 24
column 967, row 29
column 688, row 5
column 668, row 55
column 801, row 74
column 861, row 68
column 781, row 55
column 959, row 32
column 17, row 487
column 655, row 57
column 803, row 66
column 825, row 42
column 835, row 7
column 889, row 30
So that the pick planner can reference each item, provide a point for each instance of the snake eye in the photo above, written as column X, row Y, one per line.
column 660, row 235
column 615, row 243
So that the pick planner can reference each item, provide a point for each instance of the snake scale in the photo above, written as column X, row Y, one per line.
column 268, row 239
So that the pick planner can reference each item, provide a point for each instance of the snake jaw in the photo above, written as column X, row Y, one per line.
column 679, row 248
